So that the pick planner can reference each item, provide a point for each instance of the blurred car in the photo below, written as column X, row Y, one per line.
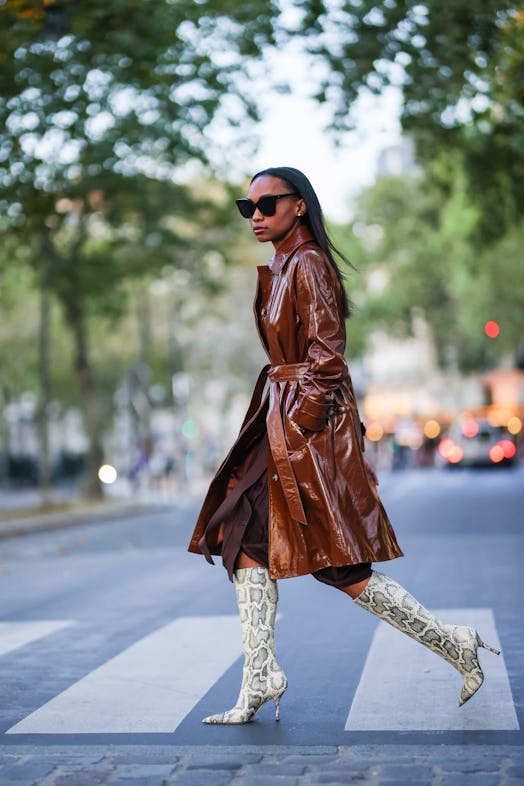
column 476, row 442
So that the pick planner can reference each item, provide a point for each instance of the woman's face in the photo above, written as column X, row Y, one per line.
column 288, row 210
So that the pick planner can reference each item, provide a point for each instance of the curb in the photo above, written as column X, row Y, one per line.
column 45, row 522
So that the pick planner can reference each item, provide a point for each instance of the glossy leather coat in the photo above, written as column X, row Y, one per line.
column 323, row 510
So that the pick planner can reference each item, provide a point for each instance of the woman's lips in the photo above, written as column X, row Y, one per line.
column 258, row 230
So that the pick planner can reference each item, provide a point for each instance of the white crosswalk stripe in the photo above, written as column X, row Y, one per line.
column 406, row 687
column 17, row 634
column 149, row 687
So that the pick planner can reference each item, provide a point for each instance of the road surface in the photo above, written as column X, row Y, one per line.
column 115, row 643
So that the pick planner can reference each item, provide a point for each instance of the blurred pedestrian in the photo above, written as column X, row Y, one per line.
column 295, row 494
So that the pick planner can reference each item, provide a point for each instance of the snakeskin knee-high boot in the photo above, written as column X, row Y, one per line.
column 456, row 644
column 262, row 680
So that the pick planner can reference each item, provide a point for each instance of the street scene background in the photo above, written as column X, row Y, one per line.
column 128, row 353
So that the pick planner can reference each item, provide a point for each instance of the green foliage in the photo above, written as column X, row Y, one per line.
column 102, row 109
column 90, row 91
column 460, row 67
column 421, row 257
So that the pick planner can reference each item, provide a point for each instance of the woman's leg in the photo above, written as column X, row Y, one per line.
column 243, row 561
column 354, row 590
column 458, row 645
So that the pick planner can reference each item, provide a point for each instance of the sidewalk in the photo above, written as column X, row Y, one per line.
column 29, row 520
column 21, row 511
column 368, row 765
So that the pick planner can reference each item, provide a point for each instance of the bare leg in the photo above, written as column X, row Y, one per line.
column 354, row 590
column 243, row 561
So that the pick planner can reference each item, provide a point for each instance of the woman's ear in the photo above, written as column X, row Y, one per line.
column 301, row 208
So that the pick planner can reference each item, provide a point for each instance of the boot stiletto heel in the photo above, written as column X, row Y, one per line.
column 487, row 647
column 277, row 704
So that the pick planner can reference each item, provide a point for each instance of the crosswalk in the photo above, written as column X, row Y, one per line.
column 17, row 634
column 153, row 685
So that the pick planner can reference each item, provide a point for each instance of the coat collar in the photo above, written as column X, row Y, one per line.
column 298, row 237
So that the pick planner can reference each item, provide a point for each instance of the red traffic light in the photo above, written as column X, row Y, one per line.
column 492, row 329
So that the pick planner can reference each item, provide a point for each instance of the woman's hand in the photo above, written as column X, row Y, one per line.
column 372, row 475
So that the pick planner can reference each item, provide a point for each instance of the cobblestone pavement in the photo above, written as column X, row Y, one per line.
column 369, row 765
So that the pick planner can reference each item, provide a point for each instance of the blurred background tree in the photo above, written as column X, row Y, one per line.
column 445, row 236
column 460, row 68
column 102, row 110
column 418, row 255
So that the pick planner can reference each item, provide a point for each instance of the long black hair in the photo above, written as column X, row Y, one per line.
column 313, row 218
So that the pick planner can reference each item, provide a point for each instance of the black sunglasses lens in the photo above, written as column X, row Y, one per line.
column 246, row 206
column 267, row 205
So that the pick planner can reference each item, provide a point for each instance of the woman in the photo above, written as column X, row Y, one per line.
column 295, row 495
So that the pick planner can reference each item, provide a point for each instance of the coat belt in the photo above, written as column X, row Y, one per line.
column 287, row 372
column 284, row 373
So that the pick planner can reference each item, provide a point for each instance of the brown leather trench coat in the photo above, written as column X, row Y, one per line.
column 323, row 510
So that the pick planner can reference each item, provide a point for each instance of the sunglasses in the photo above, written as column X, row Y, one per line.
column 267, row 204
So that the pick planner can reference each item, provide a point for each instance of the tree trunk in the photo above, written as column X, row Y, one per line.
column 142, row 372
column 77, row 320
column 5, row 446
column 44, row 338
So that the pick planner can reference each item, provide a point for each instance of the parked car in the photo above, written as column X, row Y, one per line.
column 476, row 442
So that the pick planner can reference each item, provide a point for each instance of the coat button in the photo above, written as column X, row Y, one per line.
column 274, row 476
column 263, row 312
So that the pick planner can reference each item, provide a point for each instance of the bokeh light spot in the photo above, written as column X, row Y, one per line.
column 492, row 329
column 514, row 425
column 508, row 447
column 496, row 454
column 431, row 429
column 374, row 431
column 470, row 428
column 190, row 429
column 107, row 474
column 455, row 454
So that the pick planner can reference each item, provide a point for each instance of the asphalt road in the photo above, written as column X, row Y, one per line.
column 114, row 641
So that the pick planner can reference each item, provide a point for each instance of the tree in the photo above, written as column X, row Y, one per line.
column 99, row 103
column 460, row 68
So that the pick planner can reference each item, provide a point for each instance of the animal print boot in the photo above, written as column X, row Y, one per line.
column 456, row 644
column 262, row 680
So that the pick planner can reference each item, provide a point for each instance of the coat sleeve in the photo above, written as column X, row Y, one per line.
column 319, row 311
